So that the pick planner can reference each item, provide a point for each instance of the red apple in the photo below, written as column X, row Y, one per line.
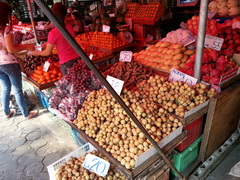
column 238, row 48
column 229, row 36
column 230, row 41
column 228, row 30
column 237, row 41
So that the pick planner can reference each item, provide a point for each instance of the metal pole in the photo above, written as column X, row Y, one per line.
column 32, row 21
column 92, row 66
column 201, row 38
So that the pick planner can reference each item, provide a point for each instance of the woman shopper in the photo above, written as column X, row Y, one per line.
column 67, row 55
column 10, row 72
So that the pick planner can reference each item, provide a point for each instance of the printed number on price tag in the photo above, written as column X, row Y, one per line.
column 105, row 28
column 179, row 76
column 125, row 56
column 116, row 84
column 213, row 42
column 46, row 66
column 96, row 165
column 188, row 40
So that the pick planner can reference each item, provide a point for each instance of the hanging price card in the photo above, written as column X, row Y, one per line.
column 111, row 15
column 125, row 56
column 211, row 15
column 96, row 165
column 116, row 84
column 46, row 66
column 213, row 42
column 91, row 56
column 188, row 40
column 176, row 75
column 105, row 28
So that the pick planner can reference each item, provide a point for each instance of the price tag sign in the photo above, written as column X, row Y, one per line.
column 211, row 15
column 213, row 42
column 46, row 66
column 111, row 15
column 91, row 56
column 116, row 84
column 183, row 25
column 188, row 40
column 105, row 28
column 96, row 165
column 238, row 70
column 125, row 56
column 176, row 75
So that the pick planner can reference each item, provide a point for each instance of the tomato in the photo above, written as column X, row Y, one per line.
column 46, row 73
column 53, row 76
column 40, row 67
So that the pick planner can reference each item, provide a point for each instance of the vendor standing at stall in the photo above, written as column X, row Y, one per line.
column 67, row 55
column 77, row 23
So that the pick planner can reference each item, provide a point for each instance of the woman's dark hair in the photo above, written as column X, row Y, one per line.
column 76, row 14
column 5, row 17
column 60, row 11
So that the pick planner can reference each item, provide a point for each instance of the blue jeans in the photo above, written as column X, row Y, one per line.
column 10, row 76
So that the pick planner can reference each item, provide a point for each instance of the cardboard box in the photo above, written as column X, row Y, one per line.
column 53, row 168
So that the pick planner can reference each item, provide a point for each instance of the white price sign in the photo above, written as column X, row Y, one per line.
column 96, row 165
column 211, row 15
column 105, row 28
column 183, row 25
column 111, row 15
column 116, row 84
column 46, row 66
column 188, row 40
column 213, row 42
column 92, row 7
column 125, row 56
column 176, row 75
column 91, row 56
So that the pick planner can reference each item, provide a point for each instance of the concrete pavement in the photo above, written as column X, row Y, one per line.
column 27, row 147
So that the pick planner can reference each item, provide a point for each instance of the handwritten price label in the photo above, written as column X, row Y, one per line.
column 96, row 165
column 188, row 40
column 116, row 84
column 105, row 28
column 176, row 75
column 213, row 42
column 46, row 66
column 91, row 56
column 125, row 56
column 211, row 15
column 111, row 15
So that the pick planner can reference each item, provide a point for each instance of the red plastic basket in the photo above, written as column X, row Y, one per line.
column 193, row 132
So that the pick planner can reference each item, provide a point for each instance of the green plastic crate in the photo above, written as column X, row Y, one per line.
column 183, row 159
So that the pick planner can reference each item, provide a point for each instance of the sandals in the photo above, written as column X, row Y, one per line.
column 32, row 114
column 12, row 112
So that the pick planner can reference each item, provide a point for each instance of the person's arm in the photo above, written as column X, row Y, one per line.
column 46, row 52
column 12, row 48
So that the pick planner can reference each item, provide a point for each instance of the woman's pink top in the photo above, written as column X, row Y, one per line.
column 64, row 49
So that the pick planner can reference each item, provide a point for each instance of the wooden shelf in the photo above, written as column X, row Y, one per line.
column 131, row 174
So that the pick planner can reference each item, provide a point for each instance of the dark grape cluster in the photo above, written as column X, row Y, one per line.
column 31, row 62
column 73, row 88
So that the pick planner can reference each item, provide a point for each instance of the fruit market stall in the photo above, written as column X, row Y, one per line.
column 157, row 105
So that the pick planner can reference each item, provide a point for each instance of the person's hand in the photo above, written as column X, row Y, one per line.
column 30, row 47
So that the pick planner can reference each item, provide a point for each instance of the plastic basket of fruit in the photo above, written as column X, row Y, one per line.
column 182, row 160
